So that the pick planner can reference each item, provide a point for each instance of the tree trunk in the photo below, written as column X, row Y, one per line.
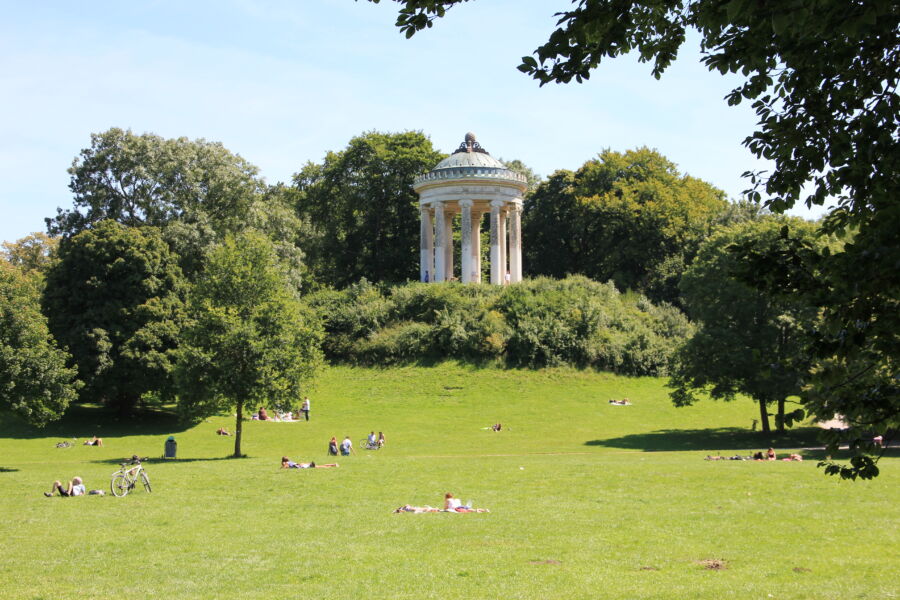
column 779, row 420
column 238, row 427
column 763, row 416
column 127, row 404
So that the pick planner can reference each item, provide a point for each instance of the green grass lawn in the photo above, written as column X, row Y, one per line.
column 587, row 500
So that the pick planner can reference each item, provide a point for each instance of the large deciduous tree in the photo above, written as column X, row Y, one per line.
column 33, row 254
column 195, row 191
column 630, row 217
column 363, row 208
column 823, row 78
column 35, row 382
column 747, row 341
column 149, row 180
column 115, row 299
column 250, row 340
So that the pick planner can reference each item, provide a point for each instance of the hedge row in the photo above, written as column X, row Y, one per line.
column 540, row 322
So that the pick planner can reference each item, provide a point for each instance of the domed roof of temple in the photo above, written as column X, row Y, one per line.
column 467, row 161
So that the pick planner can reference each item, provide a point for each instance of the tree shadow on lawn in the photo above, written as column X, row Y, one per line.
column 7, row 470
column 158, row 460
column 713, row 439
column 85, row 420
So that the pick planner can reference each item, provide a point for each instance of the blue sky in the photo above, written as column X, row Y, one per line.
column 283, row 82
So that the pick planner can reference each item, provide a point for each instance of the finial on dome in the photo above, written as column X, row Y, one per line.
column 470, row 145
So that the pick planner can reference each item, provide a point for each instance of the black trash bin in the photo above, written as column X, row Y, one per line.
column 171, row 447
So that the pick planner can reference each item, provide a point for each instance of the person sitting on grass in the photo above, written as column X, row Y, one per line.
column 94, row 441
column 262, row 414
column 75, row 488
column 380, row 439
column 333, row 446
column 222, row 431
column 496, row 427
column 452, row 504
column 347, row 447
column 287, row 463
column 770, row 454
column 371, row 440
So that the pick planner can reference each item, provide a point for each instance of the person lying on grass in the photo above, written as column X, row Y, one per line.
column 94, row 441
column 287, row 463
column 408, row 508
column 75, row 488
column 416, row 509
column 222, row 431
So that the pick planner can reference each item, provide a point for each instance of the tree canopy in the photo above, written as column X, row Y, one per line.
column 35, row 381
column 747, row 341
column 32, row 254
column 115, row 299
column 149, row 180
column 363, row 210
column 630, row 217
column 250, row 340
column 195, row 191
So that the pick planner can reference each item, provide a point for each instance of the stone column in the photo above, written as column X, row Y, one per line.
column 515, row 243
column 440, row 233
column 426, row 260
column 448, row 245
column 504, row 254
column 476, row 246
column 466, row 274
column 496, row 272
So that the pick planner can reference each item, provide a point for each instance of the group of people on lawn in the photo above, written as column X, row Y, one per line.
column 760, row 456
column 288, row 416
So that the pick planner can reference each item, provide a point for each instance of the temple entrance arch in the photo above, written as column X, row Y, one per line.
column 471, row 183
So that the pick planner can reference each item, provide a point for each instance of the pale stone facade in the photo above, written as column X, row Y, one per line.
column 471, row 183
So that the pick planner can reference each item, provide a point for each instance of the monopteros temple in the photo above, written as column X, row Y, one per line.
column 471, row 183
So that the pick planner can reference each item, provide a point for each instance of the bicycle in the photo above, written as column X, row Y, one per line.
column 367, row 445
column 125, row 479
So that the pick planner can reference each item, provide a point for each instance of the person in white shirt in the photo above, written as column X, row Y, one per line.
column 346, row 446
column 75, row 488
column 305, row 408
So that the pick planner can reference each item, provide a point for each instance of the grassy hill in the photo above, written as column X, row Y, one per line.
column 587, row 500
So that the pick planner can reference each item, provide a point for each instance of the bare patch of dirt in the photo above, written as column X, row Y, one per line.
column 649, row 568
column 801, row 570
column 714, row 564
column 549, row 561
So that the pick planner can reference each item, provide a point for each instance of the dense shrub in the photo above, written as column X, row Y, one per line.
column 539, row 322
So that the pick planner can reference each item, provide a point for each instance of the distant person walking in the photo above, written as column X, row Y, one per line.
column 305, row 408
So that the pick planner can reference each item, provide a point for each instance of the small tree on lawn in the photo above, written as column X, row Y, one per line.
column 747, row 341
column 250, row 340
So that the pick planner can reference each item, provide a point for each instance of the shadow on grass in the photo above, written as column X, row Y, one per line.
column 85, row 420
column 7, row 470
column 151, row 460
column 723, row 438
